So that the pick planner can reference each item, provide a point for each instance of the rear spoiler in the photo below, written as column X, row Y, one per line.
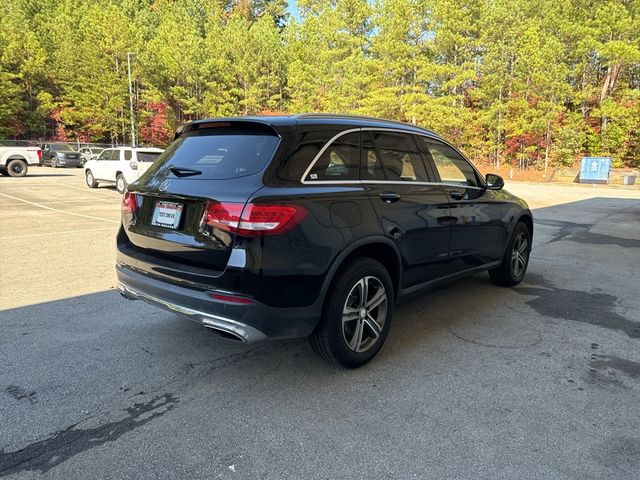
column 224, row 123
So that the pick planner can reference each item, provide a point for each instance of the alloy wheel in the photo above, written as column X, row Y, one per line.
column 364, row 314
column 519, row 254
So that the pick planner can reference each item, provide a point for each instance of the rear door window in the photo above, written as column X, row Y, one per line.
column 400, row 158
column 219, row 153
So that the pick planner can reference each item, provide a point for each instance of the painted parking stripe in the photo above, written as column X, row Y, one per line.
column 58, row 210
column 68, row 232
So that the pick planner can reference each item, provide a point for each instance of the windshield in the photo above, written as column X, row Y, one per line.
column 220, row 154
column 56, row 147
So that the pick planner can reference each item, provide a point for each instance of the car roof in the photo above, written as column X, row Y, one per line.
column 280, row 122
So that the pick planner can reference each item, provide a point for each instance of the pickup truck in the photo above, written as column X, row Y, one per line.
column 15, row 159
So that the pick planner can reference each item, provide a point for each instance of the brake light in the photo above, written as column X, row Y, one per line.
column 39, row 153
column 129, row 203
column 254, row 220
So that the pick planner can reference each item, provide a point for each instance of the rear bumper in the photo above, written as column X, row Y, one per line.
column 248, row 323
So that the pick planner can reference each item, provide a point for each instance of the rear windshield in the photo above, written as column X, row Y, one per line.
column 148, row 156
column 220, row 153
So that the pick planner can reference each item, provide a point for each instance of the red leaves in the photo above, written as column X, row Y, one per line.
column 156, row 129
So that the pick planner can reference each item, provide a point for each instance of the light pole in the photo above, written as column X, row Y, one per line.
column 133, row 126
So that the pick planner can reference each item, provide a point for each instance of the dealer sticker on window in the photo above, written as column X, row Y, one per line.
column 167, row 214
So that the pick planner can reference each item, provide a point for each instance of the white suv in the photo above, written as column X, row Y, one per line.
column 120, row 165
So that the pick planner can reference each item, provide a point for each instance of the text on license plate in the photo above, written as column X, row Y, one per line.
column 167, row 214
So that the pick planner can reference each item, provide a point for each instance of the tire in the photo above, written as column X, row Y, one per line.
column 91, row 181
column 515, row 260
column 17, row 168
column 54, row 162
column 121, row 183
column 340, row 336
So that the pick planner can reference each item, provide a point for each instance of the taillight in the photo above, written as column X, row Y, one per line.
column 129, row 203
column 254, row 220
column 39, row 154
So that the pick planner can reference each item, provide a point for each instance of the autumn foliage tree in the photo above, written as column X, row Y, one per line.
column 530, row 83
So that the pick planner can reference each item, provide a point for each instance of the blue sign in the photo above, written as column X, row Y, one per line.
column 595, row 169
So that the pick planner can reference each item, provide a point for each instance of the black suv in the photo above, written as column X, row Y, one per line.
column 280, row 227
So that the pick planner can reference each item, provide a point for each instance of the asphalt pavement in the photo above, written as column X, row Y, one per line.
column 475, row 381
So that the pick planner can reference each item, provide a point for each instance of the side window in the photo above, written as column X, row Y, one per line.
column 340, row 161
column 451, row 167
column 400, row 158
column 127, row 154
column 105, row 155
column 371, row 166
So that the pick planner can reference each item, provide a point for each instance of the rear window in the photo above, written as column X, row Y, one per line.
column 221, row 153
column 148, row 156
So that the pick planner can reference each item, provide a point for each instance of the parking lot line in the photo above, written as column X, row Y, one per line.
column 56, row 233
column 110, row 195
column 58, row 210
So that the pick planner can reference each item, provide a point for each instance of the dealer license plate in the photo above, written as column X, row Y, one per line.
column 167, row 214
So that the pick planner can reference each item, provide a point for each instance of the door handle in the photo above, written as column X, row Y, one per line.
column 389, row 197
column 456, row 195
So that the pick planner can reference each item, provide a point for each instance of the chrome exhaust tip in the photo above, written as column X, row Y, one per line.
column 226, row 334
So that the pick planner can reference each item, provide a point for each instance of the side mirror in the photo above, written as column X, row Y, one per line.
column 494, row 182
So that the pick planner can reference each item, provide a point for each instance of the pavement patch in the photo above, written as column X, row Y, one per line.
column 579, row 233
column 586, row 307
column 46, row 454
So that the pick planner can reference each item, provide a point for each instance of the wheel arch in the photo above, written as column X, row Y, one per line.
column 378, row 248
column 527, row 219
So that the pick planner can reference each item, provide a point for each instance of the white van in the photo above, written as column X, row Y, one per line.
column 120, row 165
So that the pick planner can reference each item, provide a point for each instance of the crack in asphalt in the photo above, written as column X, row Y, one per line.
column 61, row 446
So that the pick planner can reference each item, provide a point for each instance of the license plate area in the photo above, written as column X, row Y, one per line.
column 167, row 214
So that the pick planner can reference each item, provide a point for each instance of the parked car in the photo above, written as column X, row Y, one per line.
column 280, row 227
column 89, row 153
column 120, row 166
column 15, row 158
column 61, row 155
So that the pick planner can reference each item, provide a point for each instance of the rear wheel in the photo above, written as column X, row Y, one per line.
column 91, row 181
column 121, row 183
column 357, row 315
column 515, row 260
column 17, row 168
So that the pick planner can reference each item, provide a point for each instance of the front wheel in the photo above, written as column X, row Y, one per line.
column 515, row 260
column 17, row 168
column 121, row 183
column 54, row 162
column 91, row 181
column 357, row 314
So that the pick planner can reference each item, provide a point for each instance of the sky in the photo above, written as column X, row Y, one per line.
column 293, row 9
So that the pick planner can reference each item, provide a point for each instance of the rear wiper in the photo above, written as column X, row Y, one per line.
column 184, row 172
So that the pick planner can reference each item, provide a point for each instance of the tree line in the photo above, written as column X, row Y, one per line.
column 532, row 83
